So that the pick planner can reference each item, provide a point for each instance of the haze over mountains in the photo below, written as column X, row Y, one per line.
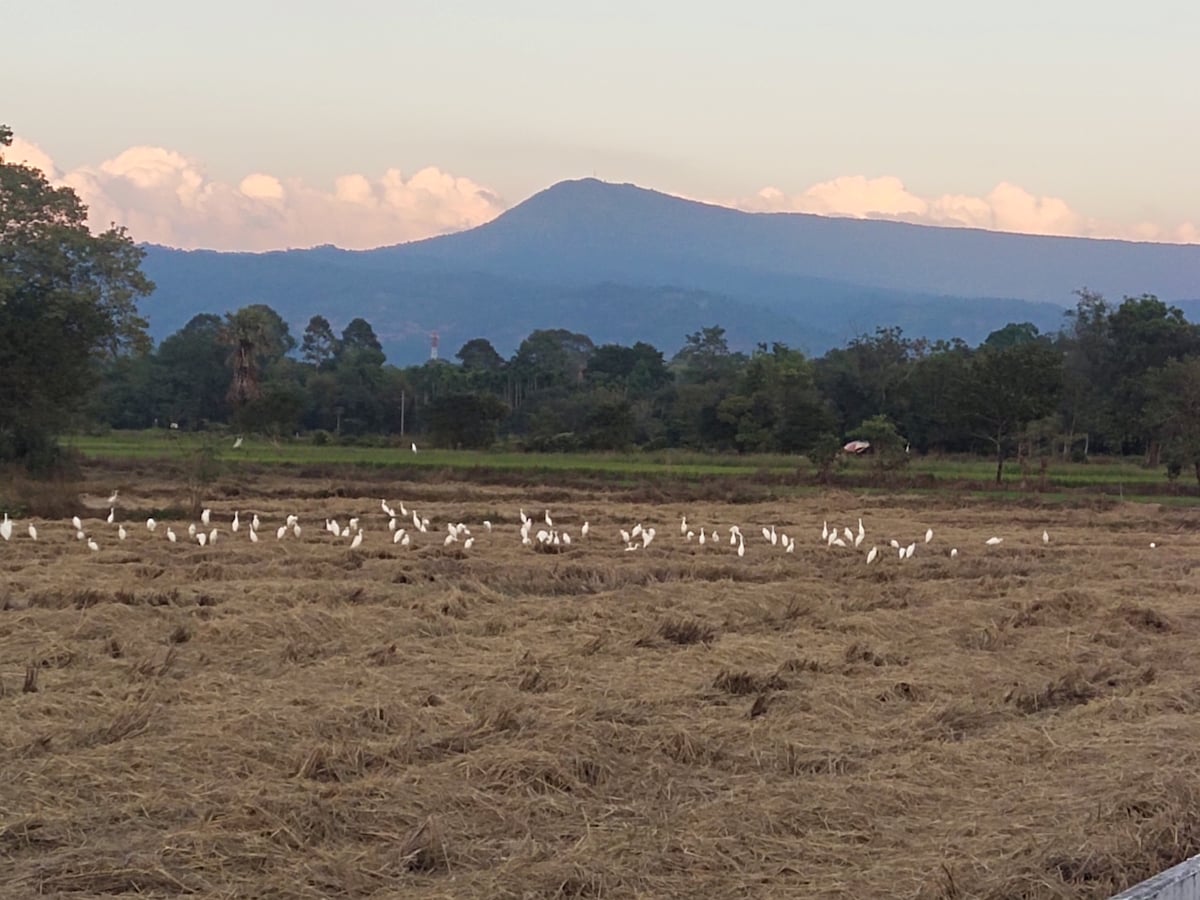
column 622, row 264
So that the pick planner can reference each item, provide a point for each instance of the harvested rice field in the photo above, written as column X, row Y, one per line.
column 294, row 718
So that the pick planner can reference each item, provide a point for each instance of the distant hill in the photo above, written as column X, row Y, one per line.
column 622, row 263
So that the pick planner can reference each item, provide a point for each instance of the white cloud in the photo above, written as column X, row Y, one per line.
column 28, row 154
column 164, row 197
column 1007, row 207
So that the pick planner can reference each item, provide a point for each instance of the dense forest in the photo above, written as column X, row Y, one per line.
column 1116, row 379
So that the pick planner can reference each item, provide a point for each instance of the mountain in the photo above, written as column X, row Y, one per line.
column 623, row 263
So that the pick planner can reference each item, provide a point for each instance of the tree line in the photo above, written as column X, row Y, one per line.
column 1118, row 378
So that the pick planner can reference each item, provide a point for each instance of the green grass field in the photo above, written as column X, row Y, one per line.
column 1117, row 476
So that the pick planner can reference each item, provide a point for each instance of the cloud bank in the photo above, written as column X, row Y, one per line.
column 165, row 197
column 1007, row 207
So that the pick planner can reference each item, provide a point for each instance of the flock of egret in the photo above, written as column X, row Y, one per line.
column 551, row 537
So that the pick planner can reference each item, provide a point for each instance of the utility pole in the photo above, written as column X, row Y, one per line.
column 402, row 413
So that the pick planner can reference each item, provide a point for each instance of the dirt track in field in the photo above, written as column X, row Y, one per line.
column 294, row 719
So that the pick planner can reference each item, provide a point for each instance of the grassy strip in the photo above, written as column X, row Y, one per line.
column 1110, row 475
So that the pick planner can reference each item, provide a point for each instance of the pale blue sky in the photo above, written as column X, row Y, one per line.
column 1094, row 102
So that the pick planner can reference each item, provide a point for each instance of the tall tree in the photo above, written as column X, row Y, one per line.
column 478, row 355
column 256, row 336
column 320, row 345
column 1010, row 387
column 360, row 342
column 194, row 372
column 68, row 301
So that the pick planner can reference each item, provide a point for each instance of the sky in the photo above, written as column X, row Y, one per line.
column 256, row 126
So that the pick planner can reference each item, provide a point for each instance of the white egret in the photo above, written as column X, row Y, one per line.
column 912, row 548
column 414, row 447
column 825, row 530
column 192, row 529
column 583, row 532
column 236, row 523
column 296, row 529
column 549, row 521
column 928, row 535
column 121, row 533
column 254, row 523
column 993, row 541
column 849, row 534
column 791, row 547
column 683, row 525
column 205, row 515
column 78, row 525
column 398, row 536
column 79, row 535
column 33, row 531
column 112, row 498
column 171, row 535
column 201, row 538
column 92, row 545
column 112, row 515
column 874, row 552
column 450, row 539
column 703, row 539
column 151, row 524
column 566, row 539
column 1045, row 536
column 253, row 536
column 357, row 542
column 237, row 443
column 468, row 543
column 953, row 552
column 741, row 548
column 647, row 536
column 405, row 542
column 280, row 532
column 212, row 536
column 6, row 527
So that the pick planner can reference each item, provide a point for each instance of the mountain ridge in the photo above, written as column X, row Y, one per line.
column 664, row 266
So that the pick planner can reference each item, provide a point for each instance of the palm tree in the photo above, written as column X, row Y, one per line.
column 256, row 335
